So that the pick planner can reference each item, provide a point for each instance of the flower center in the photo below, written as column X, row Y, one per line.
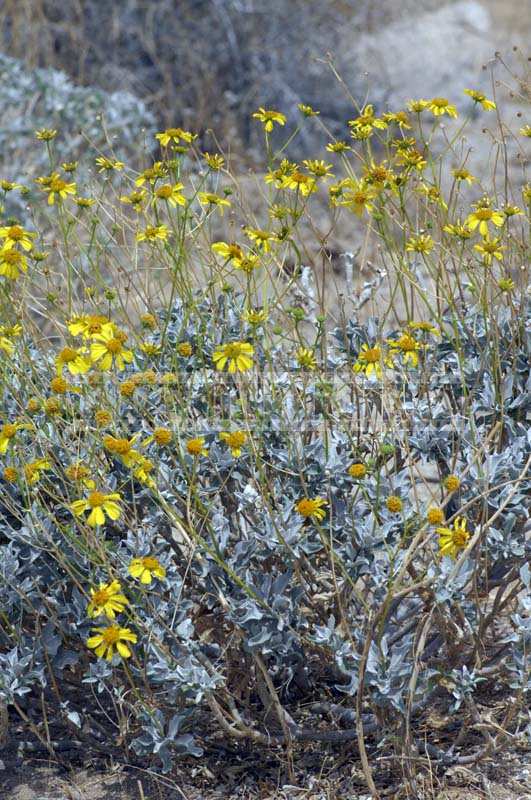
column 16, row 233
column 114, row 345
column 101, row 597
column 96, row 499
column 111, row 635
column 371, row 356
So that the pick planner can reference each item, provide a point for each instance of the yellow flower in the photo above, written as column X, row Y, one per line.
column 79, row 473
column 108, row 164
column 148, row 320
column 440, row 105
column 172, row 194
column 234, row 440
column 482, row 215
column 52, row 406
column 145, row 567
column 462, row 174
column 338, row 147
column 319, row 168
column 10, row 475
column 102, row 417
column 84, row 202
column 399, row 118
column 454, row 539
column 300, row 182
column 100, row 505
column 411, row 158
column 452, row 483
column 418, row 106
column 185, row 349
column 357, row 471
column 12, row 262
column 109, row 639
column 367, row 120
column 9, row 186
column 420, row 244
column 371, row 360
column 357, row 196
column 152, row 174
column 237, row 356
column 247, row 263
column 152, row 233
column 196, row 447
column 268, row 117
column 228, row 251
column 108, row 349
column 306, row 358
column 511, row 211
column 261, row 238
column 135, row 199
column 307, row 111
column 57, row 188
column 175, row 136
column 255, row 316
column 32, row 471
column 107, row 600
column 141, row 471
column 69, row 166
column 435, row 515
column 211, row 200
column 312, row 508
column 214, row 161
column 426, row 327
column 478, row 97
column 506, row 284
column 394, row 504
column 17, row 235
column 526, row 131
column 87, row 325
column 59, row 385
column 459, row 230
column 8, row 431
column 46, row 134
column 74, row 360
column 123, row 448
column 489, row 249
column 150, row 348
column 408, row 347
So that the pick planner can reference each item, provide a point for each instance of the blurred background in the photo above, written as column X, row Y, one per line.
column 207, row 64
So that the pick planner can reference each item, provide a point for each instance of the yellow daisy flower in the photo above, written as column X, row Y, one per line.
column 210, row 199
column 171, row 193
column 479, row 97
column 17, row 235
column 12, row 262
column 152, row 233
column 371, row 360
column 440, row 105
column 453, row 539
column 108, row 349
column 482, row 216
column 107, row 600
column 408, row 347
column 107, row 640
column 237, row 356
column 234, row 441
column 74, row 360
column 145, row 567
column 196, row 447
column 268, row 118
column 100, row 506
column 312, row 508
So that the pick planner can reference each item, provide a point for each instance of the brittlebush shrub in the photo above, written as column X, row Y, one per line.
column 226, row 500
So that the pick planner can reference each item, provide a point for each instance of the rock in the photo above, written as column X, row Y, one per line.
column 437, row 53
